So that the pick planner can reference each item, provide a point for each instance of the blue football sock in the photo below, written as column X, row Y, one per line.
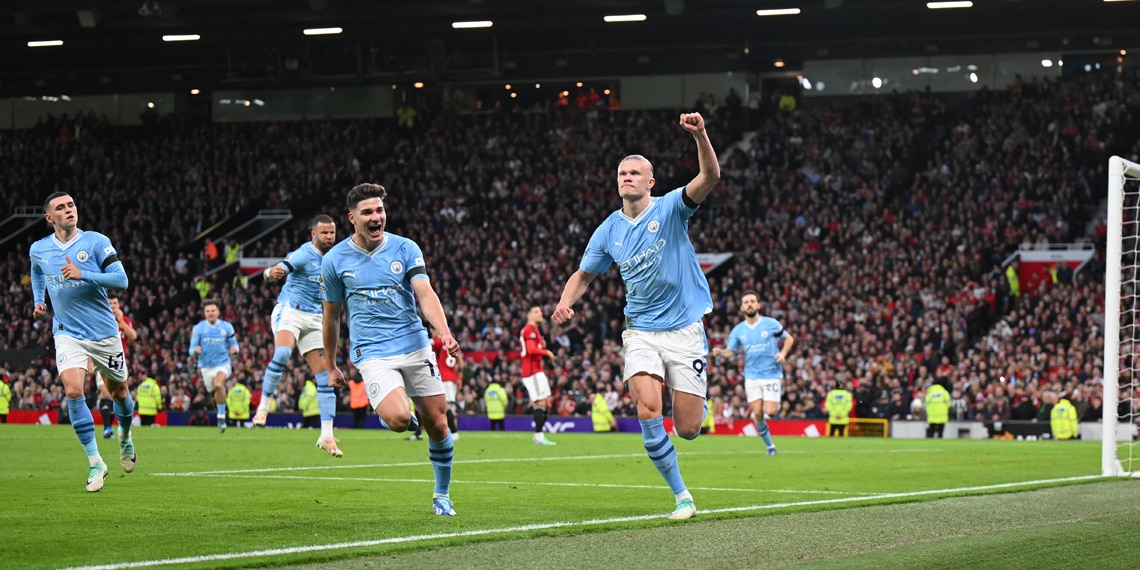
column 440, row 453
column 274, row 371
column 326, row 397
column 662, row 453
column 84, row 425
column 221, row 413
column 125, row 412
column 762, row 429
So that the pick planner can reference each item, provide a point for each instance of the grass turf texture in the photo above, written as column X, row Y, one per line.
column 839, row 502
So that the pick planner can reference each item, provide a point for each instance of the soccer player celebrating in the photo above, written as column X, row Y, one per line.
column 667, row 295
column 759, row 338
column 296, row 322
column 213, row 342
column 533, row 377
column 76, row 269
column 377, row 277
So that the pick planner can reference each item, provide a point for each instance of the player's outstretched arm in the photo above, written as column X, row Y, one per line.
column 706, row 179
column 433, row 312
column 575, row 288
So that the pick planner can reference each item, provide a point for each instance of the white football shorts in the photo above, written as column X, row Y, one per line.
column 767, row 389
column 305, row 327
column 415, row 371
column 680, row 357
column 106, row 353
column 450, row 389
column 210, row 374
column 537, row 386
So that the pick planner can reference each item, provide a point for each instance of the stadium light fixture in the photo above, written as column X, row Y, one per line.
column 778, row 12
column 947, row 5
column 625, row 18
column 322, row 31
column 45, row 43
column 195, row 91
column 181, row 38
column 473, row 24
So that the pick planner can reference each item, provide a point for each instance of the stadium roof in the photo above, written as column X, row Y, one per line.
column 117, row 44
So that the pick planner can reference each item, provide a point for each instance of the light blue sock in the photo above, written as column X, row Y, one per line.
column 326, row 397
column 125, row 412
column 762, row 429
column 221, row 413
column 84, row 426
column 274, row 371
column 440, row 453
column 662, row 453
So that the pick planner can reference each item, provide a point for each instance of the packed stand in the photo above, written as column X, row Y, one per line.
column 874, row 233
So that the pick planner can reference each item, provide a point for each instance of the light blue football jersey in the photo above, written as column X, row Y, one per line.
column 302, row 289
column 80, row 306
column 760, row 345
column 376, row 289
column 665, row 287
column 215, row 340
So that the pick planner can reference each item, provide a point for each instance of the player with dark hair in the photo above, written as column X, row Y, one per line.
column 759, row 338
column 129, row 336
column 296, row 322
column 376, row 277
column 533, row 377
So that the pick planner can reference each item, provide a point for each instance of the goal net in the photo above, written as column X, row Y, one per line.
column 1120, row 454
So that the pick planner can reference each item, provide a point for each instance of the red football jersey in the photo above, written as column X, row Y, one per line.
column 123, row 337
column 533, row 349
column 448, row 364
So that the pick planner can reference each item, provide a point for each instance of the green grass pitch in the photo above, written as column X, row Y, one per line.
column 269, row 498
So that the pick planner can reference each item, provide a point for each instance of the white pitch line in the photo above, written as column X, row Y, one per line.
column 492, row 460
column 529, row 483
column 545, row 526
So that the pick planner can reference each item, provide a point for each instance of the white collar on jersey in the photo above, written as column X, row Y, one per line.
column 379, row 248
column 65, row 245
column 641, row 216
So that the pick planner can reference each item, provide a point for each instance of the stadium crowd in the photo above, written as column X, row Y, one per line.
column 875, row 232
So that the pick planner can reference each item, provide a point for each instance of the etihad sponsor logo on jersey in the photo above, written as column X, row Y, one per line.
column 643, row 260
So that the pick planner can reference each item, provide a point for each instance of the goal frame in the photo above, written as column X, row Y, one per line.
column 1118, row 169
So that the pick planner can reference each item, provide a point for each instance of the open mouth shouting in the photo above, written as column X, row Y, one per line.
column 375, row 230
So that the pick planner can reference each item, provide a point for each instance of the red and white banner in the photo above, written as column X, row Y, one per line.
column 1035, row 265
column 251, row 265
column 710, row 261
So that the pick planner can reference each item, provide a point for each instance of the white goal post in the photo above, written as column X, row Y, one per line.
column 1120, row 456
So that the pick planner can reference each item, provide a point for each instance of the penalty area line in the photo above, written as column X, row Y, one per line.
column 546, row 526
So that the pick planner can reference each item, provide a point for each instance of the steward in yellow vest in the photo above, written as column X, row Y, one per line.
column 1063, row 419
column 237, row 402
column 148, row 398
column 839, row 402
column 600, row 412
column 495, row 399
